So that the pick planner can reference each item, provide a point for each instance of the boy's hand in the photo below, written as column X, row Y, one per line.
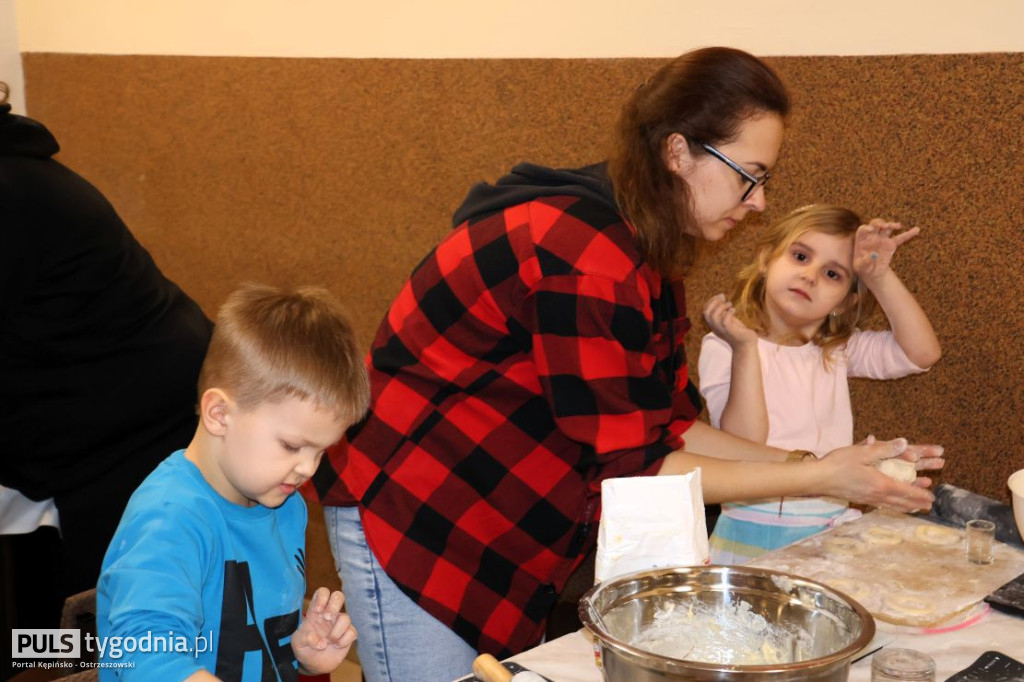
column 326, row 634
column 875, row 244
column 721, row 318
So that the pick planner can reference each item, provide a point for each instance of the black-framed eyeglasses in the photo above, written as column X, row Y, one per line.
column 754, row 180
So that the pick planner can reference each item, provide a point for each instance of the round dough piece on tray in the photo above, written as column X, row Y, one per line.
column 932, row 534
column 841, row 544
column 908, row 605
column 880, row 535
column 853, row 588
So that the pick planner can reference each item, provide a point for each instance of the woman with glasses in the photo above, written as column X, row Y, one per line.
column 538, row 350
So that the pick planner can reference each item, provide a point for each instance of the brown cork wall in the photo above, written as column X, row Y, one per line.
column 345, row 172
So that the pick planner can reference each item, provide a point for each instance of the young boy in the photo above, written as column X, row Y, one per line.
column 205, row 576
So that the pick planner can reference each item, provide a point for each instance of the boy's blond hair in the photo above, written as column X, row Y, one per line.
column 748, row 296
column 270, row 344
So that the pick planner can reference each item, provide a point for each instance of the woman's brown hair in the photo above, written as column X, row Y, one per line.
column 704, row 95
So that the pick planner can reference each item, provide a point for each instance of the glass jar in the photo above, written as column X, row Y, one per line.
column 893, row 665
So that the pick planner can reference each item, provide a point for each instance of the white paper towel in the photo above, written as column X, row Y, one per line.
column 651, row 522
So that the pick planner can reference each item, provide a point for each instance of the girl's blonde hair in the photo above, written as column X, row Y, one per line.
column 749, row 294
column 271, row 344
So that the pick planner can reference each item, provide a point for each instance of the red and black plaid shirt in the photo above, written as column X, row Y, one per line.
column 528, row 357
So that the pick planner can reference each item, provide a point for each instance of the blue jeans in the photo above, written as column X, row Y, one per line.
column 398, row 640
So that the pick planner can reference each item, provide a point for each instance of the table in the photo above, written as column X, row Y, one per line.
column 571, row 658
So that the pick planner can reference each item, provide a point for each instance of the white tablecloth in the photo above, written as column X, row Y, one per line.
column 571, row 658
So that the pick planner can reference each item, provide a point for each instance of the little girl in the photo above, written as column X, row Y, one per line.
column 774, row 369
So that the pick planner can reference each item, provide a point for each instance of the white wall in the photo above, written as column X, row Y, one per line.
column 516, row 28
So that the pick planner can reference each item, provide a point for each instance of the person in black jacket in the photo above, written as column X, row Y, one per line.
column 99, row 358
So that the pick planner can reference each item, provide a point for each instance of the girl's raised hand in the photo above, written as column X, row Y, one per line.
column 721, row 318
column 875, row 244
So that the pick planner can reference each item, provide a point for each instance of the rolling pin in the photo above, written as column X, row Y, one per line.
column 489, row 669
column 958, row 506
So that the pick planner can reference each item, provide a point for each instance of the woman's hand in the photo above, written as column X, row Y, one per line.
column 875, row 244
column 721, row 318
column 326, row 634
column 924, row 457
column 855, row 478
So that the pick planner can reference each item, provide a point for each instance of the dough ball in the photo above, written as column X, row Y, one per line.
column 897, row 468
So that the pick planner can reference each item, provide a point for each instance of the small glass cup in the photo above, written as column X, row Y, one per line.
column 894, row 665
column 980, row 535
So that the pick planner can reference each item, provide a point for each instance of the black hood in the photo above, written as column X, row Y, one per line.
column 20, row 136
column 527, row 182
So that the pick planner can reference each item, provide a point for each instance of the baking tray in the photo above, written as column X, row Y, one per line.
column 1009, row 597
column 887, row 561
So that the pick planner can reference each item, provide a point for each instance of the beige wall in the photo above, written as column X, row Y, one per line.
column 516, row 28
column 10, row 56
column 344, row 172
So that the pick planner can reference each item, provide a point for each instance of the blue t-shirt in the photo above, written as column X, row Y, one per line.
column 192, row 581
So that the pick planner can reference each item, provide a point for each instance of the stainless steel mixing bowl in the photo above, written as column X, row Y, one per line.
column 616, row 611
